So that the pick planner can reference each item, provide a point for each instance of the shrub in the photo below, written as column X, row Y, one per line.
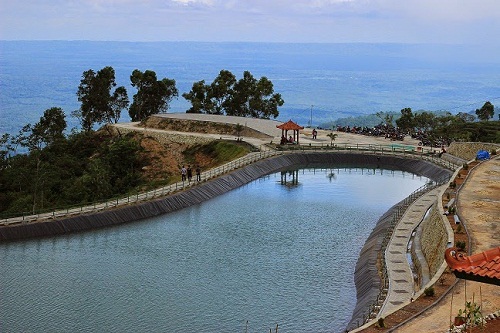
column 380, row 322
column 493, row 152
column 460, row 245
column 429, row 292
column 465, row 166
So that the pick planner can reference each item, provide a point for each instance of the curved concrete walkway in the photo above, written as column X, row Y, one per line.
column 479, row 208
column 401, row 282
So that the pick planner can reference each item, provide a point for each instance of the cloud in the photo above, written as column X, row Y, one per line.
column 253, row 20
column 202, row 2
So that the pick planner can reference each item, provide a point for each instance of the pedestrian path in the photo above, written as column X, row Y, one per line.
column 401, row 282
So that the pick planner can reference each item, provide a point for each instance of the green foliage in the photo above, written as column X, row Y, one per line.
column 98, row 104
column 219, row 151
column 471, row 314
column 153, row 95
column 225, row 95
column 405, row 122
column 332, row 137
column 460, row 245
column 81, row 168
column 381, row 322
column 429, row 291
column 486, row 111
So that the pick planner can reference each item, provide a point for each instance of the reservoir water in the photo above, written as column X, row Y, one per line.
column 280, row 250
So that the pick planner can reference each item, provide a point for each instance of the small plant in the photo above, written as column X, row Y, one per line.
column 381, row 322
column 465, row 166
column 448, row 195
column 493, row 152
column 460, row 245
column 459, row 229
column 442, row 280
column 429, row 291
column 453, row 184
column 471, row 315
column 332, row 137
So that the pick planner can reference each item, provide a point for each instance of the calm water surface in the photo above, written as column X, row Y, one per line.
column 261, row 255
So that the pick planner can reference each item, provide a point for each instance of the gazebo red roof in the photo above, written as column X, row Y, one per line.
column 289, row 125
column 481, row 267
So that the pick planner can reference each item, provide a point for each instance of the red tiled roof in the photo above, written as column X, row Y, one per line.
column 289, row 125
column 482, row 267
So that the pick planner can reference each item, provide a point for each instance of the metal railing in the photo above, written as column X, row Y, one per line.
column 266, row 151
column 396, row 217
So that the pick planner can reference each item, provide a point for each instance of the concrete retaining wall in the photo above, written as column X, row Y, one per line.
column 468, row 150
column 434, row 240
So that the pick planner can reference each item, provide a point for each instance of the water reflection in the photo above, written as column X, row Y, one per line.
column 280, row 250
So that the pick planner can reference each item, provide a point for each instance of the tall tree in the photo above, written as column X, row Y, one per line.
column 198, row 98
column 153, row 95
column 486, row 112
column 220, row 91
column 264, row 102
column 247, row 97
column 98, row 103
column 242, row 96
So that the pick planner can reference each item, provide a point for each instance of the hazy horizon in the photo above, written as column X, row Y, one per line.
column 326, row 21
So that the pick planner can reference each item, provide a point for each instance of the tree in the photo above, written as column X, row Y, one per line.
column 486, row 112
column 332, row 137
column 51, row 126
column 220, row 92
column 465, row 117
column 46, row 133
column 386, row 117
column 406, row 121
column 425, row 121
column 200, row 102
column 254, row 98
column 98, row 104
column 153, row 95
column 264, row 102
column 247, row 97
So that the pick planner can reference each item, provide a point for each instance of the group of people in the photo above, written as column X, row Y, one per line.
column 187, row 173
column 284, row 140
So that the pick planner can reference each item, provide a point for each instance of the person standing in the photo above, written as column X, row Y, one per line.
column 183, row 173
column 189, row 173
column 198, row 173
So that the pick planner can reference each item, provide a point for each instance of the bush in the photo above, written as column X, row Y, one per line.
column 381, row 322
column 493, row 152
column 460, row 245
column 429, row 292
column 465, row 166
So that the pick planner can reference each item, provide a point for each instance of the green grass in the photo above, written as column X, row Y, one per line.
column 219, row 151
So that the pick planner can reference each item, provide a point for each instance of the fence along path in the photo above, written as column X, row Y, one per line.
column 266, row 151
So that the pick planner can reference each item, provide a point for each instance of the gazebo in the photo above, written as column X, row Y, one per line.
column 289, row 126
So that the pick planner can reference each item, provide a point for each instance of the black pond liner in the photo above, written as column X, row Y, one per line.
column 366, row 276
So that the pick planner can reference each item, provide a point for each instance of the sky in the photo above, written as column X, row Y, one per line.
column 296, row 21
